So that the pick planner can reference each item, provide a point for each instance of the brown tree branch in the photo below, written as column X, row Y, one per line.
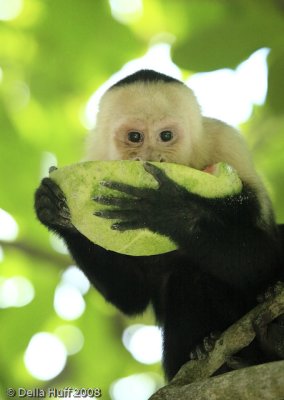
column 59, row 260
column 265, row 381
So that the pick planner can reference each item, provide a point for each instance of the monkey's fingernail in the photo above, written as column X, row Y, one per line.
column 115, row 227
column 105, row 183
column 52, row 168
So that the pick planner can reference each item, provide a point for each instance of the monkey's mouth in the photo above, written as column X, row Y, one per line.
column 210, row 169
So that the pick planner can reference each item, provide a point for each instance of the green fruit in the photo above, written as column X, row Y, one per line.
column 81, row 182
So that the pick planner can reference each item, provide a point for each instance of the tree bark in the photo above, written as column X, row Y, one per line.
column 265, row 381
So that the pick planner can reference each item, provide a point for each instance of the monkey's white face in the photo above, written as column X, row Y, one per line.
column 162, row 122
column 149, row 122
column 148, row 137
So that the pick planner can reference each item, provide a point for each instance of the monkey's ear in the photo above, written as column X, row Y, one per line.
column 81, row 183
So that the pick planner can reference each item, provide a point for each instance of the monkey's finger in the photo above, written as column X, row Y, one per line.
column 129, row 225
column 201, row 353
column 198, row 353
column 115, row 214
column 124, row 188
column 53, row 188
column 270, row 292
column 166, row 184
column 121, row 202
column 50, row 196
column 208, row 344
column 159, row 175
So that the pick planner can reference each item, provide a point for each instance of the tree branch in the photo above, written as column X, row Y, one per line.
column 263, row 381
column 34, row 252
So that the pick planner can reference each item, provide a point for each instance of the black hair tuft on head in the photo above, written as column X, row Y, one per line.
column 145, row 75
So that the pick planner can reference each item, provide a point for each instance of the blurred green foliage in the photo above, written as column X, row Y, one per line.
column 53, row 56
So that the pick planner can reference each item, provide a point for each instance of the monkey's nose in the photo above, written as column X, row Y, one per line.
column 153, row 159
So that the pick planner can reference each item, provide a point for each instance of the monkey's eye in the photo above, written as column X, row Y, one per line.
column 166, row 136
column 135, row 137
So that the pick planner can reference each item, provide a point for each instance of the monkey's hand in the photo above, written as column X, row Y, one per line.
column 169, row 210
column 51, row 207
column 201, row 351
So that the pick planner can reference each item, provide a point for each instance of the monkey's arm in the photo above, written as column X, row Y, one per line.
column 121, row 279
column 221, row 235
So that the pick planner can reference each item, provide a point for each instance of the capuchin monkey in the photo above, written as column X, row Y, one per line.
column 229, row 249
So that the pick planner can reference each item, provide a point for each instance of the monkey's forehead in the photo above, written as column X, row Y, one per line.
column 148, row 96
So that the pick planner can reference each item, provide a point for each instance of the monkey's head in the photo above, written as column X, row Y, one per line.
column 147, row 116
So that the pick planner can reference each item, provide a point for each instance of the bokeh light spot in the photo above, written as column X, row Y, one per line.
column 45, row 357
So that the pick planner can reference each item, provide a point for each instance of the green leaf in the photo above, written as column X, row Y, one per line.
column 275, row 97
column 242, row 28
